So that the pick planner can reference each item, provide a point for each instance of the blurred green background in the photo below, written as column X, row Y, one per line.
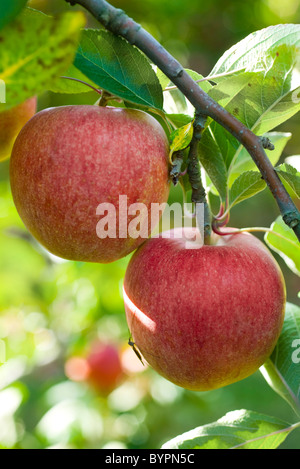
column 52, row 310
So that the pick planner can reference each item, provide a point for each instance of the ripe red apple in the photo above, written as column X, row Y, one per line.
column 105, row 370
column 11, row 122
column 204, row 317
column 68, row 160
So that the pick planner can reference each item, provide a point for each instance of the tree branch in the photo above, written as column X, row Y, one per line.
column 116, row 21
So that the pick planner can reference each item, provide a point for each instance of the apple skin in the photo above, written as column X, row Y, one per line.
column 105, row 370
column 69, row 159
column 11, row 122
column 206, row 317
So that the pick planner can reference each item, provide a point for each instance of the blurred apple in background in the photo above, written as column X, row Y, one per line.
column 102, row 368
column 105, row 367
column 11, row 122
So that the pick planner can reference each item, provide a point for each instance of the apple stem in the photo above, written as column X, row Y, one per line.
column 105, row 97
column 84, row 83
column 221, row 212
column 116, row 21
column 264, row 230
column 223, row 216
column 216, row 229
column 194, row 173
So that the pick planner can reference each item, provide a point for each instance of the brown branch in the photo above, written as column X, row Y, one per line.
column 116, row 21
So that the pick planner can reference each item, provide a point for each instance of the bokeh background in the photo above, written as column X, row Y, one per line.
column 52, row 312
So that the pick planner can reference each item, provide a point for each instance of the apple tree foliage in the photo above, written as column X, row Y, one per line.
column 257, row 80
column 9, row 10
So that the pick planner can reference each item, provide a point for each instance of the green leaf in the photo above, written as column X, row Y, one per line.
column 9, row 10
column 35, row 50
column 271, row 96
column 211, row 149
column 181, row 138
column 286, row 244
column 246, row 97
column 259, row 103
column 186, row 187
column 119, row 68
column 244, row 162
column 228, row 88
column 267, row 93
column 262, row 96
column 223, row 93
column 176, row 103
column 163, row 79
column 251, row 52
column 246, row 185
column 179, row 120
column 282, row 370
column 240, row 429
column 291, row 176
column 63, row 85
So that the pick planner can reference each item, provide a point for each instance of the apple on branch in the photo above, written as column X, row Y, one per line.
column 105, row 367
column 204, row 316
column 68, row 160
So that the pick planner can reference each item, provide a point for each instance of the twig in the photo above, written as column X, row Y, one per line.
column 254, row 229
column 116, row 21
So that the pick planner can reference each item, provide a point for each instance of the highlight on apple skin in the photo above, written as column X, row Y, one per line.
column 204, row 317
column 68, row 160
column 11, row 122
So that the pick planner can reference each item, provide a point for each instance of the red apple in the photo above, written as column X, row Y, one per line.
column 68, row 160
column 204, row 317
column 105, row 370
column 11, row 122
